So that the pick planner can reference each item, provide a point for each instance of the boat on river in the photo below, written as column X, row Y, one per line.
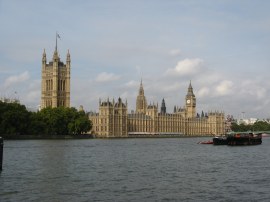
column 244, row 138
column 239, row 138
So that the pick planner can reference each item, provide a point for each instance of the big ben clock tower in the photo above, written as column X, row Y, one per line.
column 190, row 103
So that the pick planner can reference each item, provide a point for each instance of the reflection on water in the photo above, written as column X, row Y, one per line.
column 174, row 169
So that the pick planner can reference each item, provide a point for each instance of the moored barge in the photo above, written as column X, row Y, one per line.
column 239, row 138
column 244, row 138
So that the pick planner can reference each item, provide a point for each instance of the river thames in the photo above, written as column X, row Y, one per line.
column 173, row 169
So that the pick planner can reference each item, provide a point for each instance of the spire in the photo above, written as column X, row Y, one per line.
column 44, row 56
column 163, row 107
column 202, row 114
column 141, row 91
column 68, row 56
column 190, row 90
column 141, row 104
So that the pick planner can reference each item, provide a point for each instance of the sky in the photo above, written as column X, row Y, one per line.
column 222, row 47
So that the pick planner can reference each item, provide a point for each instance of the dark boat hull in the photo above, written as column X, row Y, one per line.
column 238, row 141
column 220, row 141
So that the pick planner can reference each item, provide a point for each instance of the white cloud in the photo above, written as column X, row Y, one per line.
column 186, row 67
column 255, row 88
column 106, row 77
column 16, row 79
column 203, row 92
column 33, row 95
column 132, row 84
column 224, row 87
column 175, row 52
column 174, row 87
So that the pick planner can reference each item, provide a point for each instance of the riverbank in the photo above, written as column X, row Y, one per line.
column 46, row 137
column 89, row 136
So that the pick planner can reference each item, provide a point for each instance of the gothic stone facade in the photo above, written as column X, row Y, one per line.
column 55, row 84
column 114, row 121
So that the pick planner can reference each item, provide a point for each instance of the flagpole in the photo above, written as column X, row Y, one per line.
column 56, row 42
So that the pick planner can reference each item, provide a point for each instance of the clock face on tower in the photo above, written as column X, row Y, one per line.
column 188, row 101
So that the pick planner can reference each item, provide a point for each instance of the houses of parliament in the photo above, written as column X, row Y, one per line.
column 113, row 119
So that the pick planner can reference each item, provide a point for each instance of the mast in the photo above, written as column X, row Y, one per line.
column 57, row 36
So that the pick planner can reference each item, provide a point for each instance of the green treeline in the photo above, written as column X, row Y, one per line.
column 15, row 119
column 257, row 126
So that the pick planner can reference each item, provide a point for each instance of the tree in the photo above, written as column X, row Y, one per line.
column 80, row 125
column 64, row 121
column 15, row 119
column 257, row 126
column 37, row 126
column 261, row 126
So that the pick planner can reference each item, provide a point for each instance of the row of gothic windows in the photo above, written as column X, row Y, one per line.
column 61, row 85
column 49, row 84
column 48, row 103
column 60, row 103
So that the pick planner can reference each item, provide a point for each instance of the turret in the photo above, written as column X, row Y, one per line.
column 55, row 56
column 190, row 102
column 190, row 91
column 141, row 91
column 163, row 107
column 152, row 110
column 141, row 103
column 68, row 59
column 44, row 58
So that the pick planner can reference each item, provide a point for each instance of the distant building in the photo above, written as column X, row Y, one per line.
column 9, row 100
column 114, row 121
column 55, row 84
column 249, row 121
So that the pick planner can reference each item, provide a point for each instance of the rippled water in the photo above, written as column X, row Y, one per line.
column 176, row 169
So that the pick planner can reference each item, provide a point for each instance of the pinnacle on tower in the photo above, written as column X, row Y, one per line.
column 141, row 91
column 190, row 90
column 68, row 56
column 44, row 56
column 163, row 107
column 141, row 104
